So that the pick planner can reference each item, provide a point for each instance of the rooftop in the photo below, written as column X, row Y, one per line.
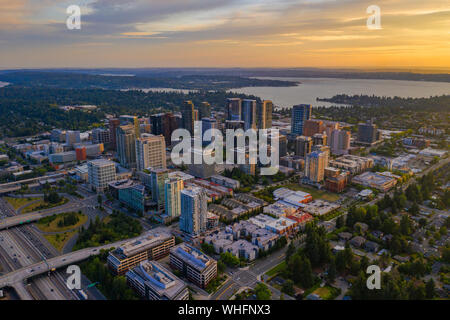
column 192, row 256
column 148, row 240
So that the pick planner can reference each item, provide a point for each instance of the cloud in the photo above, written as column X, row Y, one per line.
column 226, row 31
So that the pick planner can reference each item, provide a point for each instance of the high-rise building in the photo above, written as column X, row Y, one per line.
column 234, row 107
column 194, row 211
column 329, row 127
column 202, row 170
column 248, row 114
column 312, row 127
column 340, row 142
column 264, row 114
column 187, row 113
column 58, row 135
column 320, row 139
column 100, row 173
column 204, row 111
column 150, row 152
column 368, row 132
column 208, row 123
column 325, row 149
column 72, row 137
column 126, row 145
column 114, row 123
column 165, row 124
column 100, row 135
column 196, row 115
column 303, row 146
column 131, row 120
column 172, row 194
column 158, row 178
column 283, row 143
column 315, row 166
column 300, row 113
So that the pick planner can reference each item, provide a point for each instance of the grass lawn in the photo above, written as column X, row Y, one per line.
column 278, row 268
column 19, row 202
column 326, row 292
column 315, row 193
column 42, row 205
column 53, row 225
column 60, row 239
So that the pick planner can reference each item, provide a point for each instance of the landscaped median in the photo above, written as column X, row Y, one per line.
column 17, row 203
column 43, row 205
column 59, row 240
column 60, row 228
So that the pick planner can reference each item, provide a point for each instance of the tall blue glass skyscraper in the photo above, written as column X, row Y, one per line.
column 300, row 114
column 194, row 211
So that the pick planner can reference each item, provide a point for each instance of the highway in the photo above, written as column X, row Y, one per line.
column 16, row 279
column 23, row 246
column 21, row 219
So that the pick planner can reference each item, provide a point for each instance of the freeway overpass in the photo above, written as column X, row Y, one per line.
column 17, row 278
column 16, row 185
column 20, row 219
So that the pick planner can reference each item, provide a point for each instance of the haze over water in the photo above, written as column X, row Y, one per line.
column 312, row 88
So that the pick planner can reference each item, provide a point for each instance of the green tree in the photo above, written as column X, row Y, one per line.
column 262, row 292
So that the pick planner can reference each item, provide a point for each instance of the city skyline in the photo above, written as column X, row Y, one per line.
column 225, row 33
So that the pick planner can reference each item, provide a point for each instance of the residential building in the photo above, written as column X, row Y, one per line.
column 194, row 264
column 158, row 177
column 313, row 127
column 248, row 114
column 353, row 164
column 207, row 124
column 226, row 182
column 320, row 139
column 303, row 146
column 300, row 113
column 315, row 164
column 375, row 180
column 133, row 121
column 340, row 142
column 126, row 146
column 194, row 210
column 264, row 114
column 172, row 195
column 234, row 109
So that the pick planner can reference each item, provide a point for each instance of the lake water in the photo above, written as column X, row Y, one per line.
column 312, row 88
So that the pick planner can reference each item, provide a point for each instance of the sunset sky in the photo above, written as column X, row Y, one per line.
column 225, row 33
